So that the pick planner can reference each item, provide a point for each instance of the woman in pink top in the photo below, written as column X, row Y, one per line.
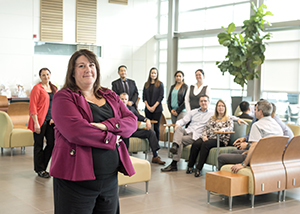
column 41, row 123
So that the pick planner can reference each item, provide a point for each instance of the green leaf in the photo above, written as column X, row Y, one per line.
column 231, row 28
column 241, row 38
column 226, row 43
column 268, row 13
column 223, row 37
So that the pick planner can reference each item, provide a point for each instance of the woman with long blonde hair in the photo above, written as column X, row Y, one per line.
column 220, row 121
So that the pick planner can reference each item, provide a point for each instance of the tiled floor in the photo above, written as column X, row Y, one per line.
column 22, row 192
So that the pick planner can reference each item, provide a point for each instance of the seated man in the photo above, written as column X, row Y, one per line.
column 264, row 127
column 183, row 137
column 242, row 143
column 245, row 108
column 143, row 133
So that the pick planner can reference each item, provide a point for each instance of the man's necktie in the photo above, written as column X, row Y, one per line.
column 126, row 87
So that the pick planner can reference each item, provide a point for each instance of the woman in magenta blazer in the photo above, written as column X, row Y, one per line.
column 88, row 152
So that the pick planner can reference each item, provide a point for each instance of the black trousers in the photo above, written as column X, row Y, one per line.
column 154, row 116
column 203, row 147
column 145, row 134
column 99, row 196
column 42, row 155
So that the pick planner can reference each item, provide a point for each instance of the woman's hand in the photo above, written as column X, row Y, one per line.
column 204, row 138
column 101, row 126
column 51, row 122
column 37, row 128
column 151, row 109
column 174, row 112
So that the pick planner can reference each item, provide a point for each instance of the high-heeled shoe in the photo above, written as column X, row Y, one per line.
column 197, row 172
column 189, row 170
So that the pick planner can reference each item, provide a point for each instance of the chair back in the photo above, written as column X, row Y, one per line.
column 239, row 131
column 162, row 128
column 5, row 130
column 295, row 129
column 3, row 103
column 249, row 124
column 19, row 114
column 266, row 165
column 166, row 111
column 291, row 161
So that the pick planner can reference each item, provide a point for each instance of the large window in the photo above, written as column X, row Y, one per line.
column 280, row 79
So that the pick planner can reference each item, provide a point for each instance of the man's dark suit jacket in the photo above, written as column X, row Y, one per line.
column 245, row 116
column 117, row 87
column 138, row 115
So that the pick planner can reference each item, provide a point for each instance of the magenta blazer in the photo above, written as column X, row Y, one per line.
column 75, row 136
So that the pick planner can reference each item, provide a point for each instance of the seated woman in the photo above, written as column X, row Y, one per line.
column 220, row 121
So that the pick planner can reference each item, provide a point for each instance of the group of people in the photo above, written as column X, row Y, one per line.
column 93, row 124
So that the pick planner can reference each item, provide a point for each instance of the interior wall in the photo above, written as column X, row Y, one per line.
column 125, row 33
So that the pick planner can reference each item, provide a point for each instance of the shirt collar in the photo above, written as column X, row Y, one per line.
column 199, row 110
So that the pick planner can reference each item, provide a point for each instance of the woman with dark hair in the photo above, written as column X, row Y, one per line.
column 88, row 151
column 220, row 121
column 176, row 97
column 153, row 94
column 195, row 91
column 41, row 123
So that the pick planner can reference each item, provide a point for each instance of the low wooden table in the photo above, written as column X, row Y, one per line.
column 226, row 183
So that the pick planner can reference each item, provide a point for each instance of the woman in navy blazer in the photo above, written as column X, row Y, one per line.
column 153, row 94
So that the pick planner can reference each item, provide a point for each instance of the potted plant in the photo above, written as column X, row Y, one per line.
column 246, row 49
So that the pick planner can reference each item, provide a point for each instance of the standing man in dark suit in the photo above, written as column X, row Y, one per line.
column 147, row 133
column 125, row 85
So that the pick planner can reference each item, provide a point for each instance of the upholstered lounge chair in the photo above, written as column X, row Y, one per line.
column 240, row 131
column 266, row 172
column 11, row 137
column 291, row 161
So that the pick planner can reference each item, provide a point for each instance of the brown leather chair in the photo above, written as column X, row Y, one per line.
column 291, row 161
column 266, row 165
column 19, row 114
column 3, row 103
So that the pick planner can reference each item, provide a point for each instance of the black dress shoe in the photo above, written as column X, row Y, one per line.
column 197, row 172
column 173, row 150
column 169, row 168
column 189, row 170
column 43, row 174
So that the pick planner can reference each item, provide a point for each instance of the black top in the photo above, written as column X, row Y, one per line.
column 48, row 116
column 151, row 87
column 181, row 96
column 194, row 99
column 105, row 161
column 154, row 96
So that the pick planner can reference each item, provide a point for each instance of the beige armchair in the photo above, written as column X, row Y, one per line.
column 11, row 137
column 3, row 103
column 19, row 114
